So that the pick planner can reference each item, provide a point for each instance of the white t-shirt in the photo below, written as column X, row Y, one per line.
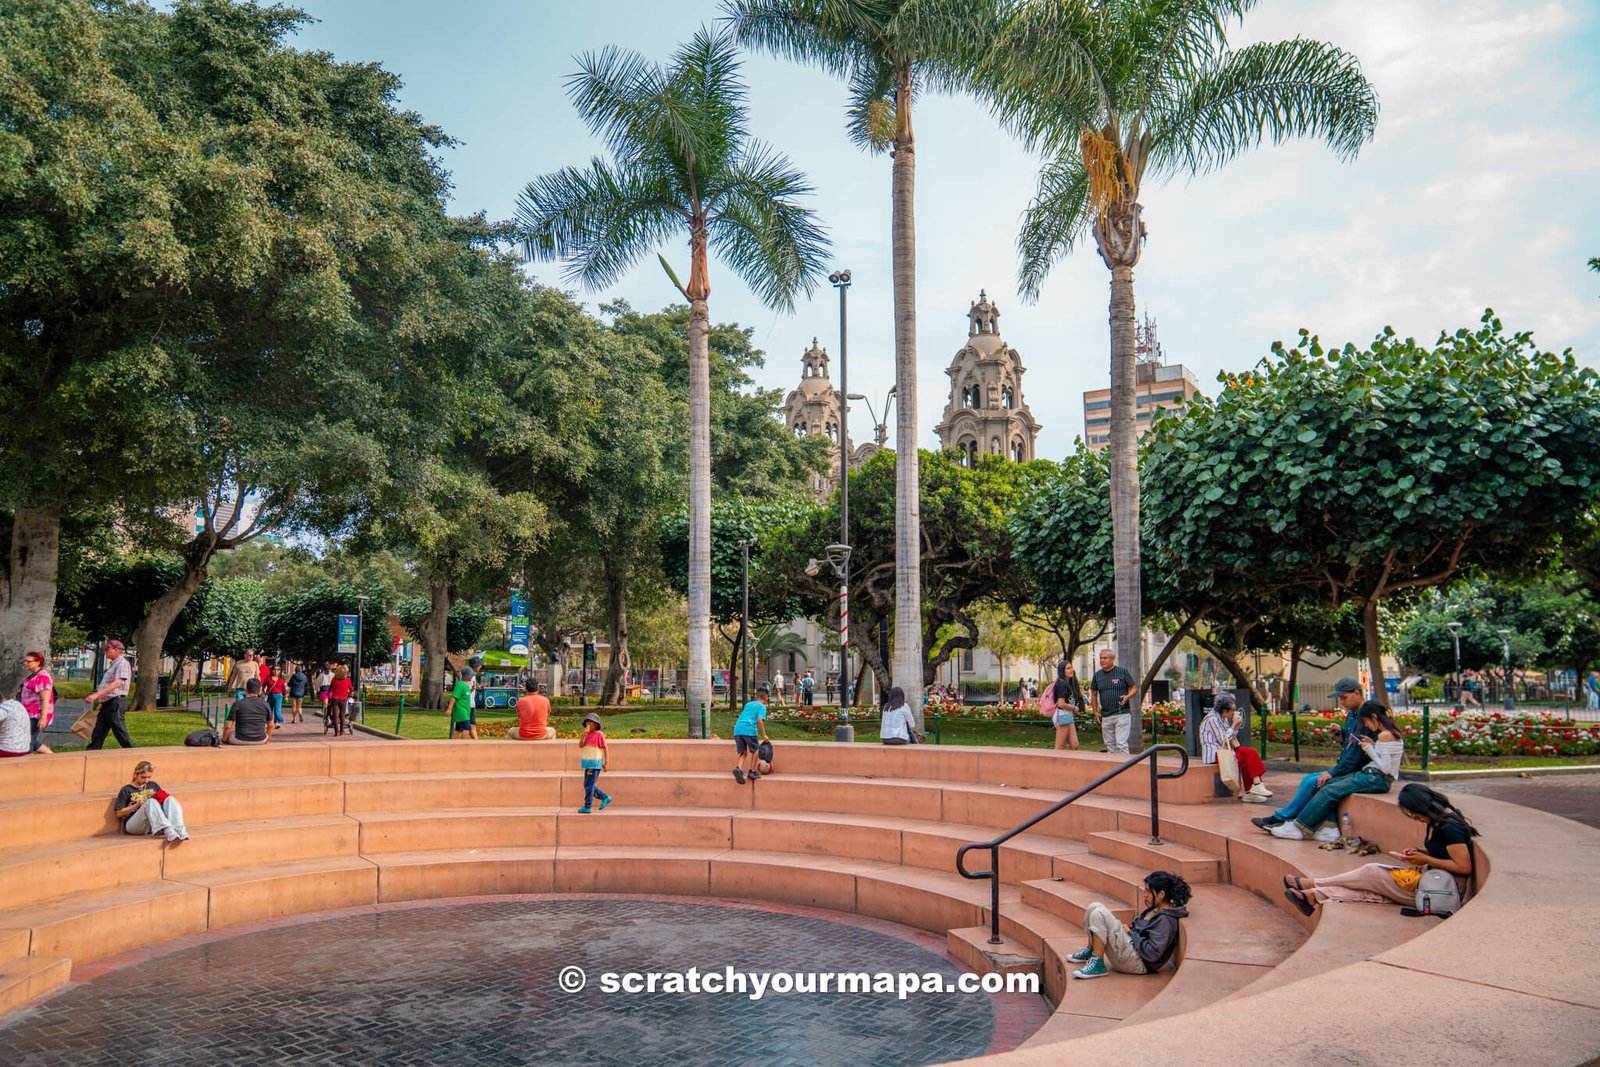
column 895, row 724
column 777, row 681
column 15, row 733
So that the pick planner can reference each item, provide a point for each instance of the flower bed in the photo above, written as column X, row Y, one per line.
column 1465, row 733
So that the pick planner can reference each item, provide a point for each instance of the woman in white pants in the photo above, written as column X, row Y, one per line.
column 147, row 809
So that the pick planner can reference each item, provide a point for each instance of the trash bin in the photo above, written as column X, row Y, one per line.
column 164, row 691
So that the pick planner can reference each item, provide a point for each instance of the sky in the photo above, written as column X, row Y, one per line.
column 1479, row 190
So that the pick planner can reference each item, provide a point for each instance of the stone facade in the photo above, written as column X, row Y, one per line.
column 812, row 408
column 986, row 414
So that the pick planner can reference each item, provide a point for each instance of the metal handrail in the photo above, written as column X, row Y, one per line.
column 993, row 873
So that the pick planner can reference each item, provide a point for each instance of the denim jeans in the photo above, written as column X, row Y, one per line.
column 276, row 702
column 591, row 787
column 1325, row 803
column 1302, row 794
column 154, row 818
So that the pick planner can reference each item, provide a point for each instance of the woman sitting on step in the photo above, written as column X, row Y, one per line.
column 1220, row 730
column 1446, row 846
column 1382, row 742
column 147, row 809
column 1145, row 945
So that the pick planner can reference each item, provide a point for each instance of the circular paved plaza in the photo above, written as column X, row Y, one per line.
column 480, row 982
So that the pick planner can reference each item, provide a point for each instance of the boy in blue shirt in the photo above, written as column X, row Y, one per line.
column 748, row 733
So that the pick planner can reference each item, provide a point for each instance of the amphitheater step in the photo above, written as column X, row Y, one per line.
column 271, row 891
column 40, row 872
column 33, row 976
column 1105, row 875
column 1135, row 849
column 464, row 872
column 970, row 945
column 89, row 926
column 1069, row 900
column 254, row 842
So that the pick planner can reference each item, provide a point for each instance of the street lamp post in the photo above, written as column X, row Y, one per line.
column 1455, row 636
column 1511, row 699
column 361, row 625
column 838, row 557
column 880, row 427
column 839, row 554
column 744, row 544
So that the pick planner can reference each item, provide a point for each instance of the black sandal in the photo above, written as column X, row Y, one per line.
column 1293, row 883
column 1301, row 902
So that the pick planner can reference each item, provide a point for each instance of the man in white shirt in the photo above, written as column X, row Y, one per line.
column 113, row 697
column 777, row 687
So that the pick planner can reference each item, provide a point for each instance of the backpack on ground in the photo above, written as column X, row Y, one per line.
column 1437, row 893
column 764, row 757
column 203, row 739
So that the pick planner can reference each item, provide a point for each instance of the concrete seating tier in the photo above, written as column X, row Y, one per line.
column 319, row 826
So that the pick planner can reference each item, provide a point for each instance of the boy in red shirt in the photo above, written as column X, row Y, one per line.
column 592, row 758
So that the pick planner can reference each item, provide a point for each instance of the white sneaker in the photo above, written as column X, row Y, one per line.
column 1252, row 797
column 1329, row 832
column 1260, row 789
column 1288, row 831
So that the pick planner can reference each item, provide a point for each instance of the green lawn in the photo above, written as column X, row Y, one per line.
column 149, row 728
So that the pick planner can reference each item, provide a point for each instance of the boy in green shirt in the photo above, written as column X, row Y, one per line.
column 462, row 721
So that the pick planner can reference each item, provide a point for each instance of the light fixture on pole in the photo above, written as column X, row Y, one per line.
column 880, row 427
column 1505, row 639
column 1455, row 636
column 745, row 544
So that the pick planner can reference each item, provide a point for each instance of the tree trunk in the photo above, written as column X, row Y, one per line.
column 1374, row 650
column 28, row 590
column 1125, row 483
column 699, row 681
column 433, row 633
column 1166, row 652
column 908, row 666
column 151, row 635
column 611, row 692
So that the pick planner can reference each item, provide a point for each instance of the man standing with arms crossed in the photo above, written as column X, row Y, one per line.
column 1113, row 693
column 113, row 694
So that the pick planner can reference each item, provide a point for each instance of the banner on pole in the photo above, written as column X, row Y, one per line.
column 347, row 635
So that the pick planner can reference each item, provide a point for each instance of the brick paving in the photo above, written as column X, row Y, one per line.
column 1573, row 796
column 476, row 982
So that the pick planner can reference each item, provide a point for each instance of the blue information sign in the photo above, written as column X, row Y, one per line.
column 347, row 634
column 518, row 643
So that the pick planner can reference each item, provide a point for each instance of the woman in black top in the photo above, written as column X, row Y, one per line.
column 1446, row 846
column 1069, row 700
column 147, row 809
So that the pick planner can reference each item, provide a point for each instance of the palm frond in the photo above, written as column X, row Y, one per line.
column 1048, row 74
column 1055, row 220
column 1279, row 90
column 761, row 230
column 869, row 118
column 835, row 35
column 704, row 105
column 1169, row 39
column 948, row 40
column 601, row 221
column 610, row 91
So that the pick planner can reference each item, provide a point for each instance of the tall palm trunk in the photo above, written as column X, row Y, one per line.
column 698, row 290
column 28, row 589
column 1118, row 235
column 907, row 517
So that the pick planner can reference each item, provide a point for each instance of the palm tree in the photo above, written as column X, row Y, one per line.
column 682, row 162
column 888, row 50
column 1109, row 90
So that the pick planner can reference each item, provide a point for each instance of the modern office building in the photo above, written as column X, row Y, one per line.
column 1157, row 385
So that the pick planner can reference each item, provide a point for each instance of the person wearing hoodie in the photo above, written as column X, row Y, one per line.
column 1145, row 945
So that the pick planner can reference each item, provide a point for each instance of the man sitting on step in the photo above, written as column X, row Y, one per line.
column 249, row 721
column 1348, row 693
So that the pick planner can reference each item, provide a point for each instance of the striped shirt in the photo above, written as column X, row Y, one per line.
column 1215, row 734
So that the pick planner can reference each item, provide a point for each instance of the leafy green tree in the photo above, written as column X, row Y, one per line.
column 466, row 621
column 733, row 520
column 1358, row 474
column 683, row 162
column 889, row 51
column 248, row 225
column 304, row 626
column 967, row 551
column 1108, row 91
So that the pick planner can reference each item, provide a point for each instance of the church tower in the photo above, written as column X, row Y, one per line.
column 812, row 408
column 986, row 414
